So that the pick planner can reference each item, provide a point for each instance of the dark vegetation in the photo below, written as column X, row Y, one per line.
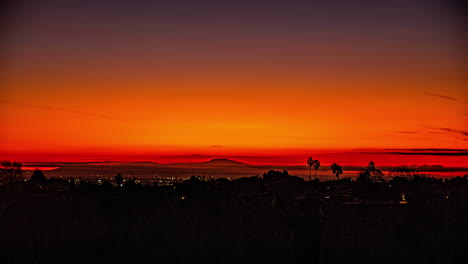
column 409, row 218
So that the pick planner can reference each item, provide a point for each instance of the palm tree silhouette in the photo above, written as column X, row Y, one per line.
column 337, row 170
column 316, row 166
column 310, row 162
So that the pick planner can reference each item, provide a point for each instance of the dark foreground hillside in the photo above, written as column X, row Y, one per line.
column 232, row 223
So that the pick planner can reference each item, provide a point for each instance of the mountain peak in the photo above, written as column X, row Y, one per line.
column 223, row 162
column 144, row 162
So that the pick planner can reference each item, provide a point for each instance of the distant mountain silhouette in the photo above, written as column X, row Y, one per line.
column 223, row 162
column 141, row 163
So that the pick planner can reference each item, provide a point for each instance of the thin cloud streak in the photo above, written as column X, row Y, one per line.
column 49, row 108
column 465, row 133
column 421, row 153
column 426, row 149
column 446, row 129
column 407, row 132
column 441, row 96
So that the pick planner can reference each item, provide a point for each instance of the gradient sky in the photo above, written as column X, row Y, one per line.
column 102, row 79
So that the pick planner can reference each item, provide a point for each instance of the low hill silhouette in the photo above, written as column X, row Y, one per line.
column 223, row 162
column 141, row 163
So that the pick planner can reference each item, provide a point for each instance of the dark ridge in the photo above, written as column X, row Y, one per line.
column 141, row 162
column 223, row 161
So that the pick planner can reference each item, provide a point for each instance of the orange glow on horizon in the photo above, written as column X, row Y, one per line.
column 159, row 89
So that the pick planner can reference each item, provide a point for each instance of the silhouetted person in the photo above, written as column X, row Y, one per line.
column 307, row 228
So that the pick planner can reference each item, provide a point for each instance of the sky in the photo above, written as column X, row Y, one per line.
column 142, row 80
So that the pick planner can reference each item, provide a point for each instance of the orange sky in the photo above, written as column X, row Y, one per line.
column 70, row 88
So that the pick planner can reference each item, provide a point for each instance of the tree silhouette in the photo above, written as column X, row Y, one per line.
column 404, row 171
column 38, row 177
column 337, row 170
column 118, row 180
column 310, row 162
column 370, row 174
column 274, row 175
column 10, row 171
column 316, row 166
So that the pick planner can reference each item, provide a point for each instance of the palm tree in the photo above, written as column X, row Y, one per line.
column 316, row 166
column 337, row 170
column 310, row 162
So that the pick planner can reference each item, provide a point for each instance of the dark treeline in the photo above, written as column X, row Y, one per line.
column 269, row 218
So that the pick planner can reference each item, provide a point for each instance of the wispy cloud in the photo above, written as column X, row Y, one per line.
column 407, row 132
column 427, row 151
column 465, row 133
column 57, row 109
column 446, row 129
column 217, row 146
column 441, row 96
